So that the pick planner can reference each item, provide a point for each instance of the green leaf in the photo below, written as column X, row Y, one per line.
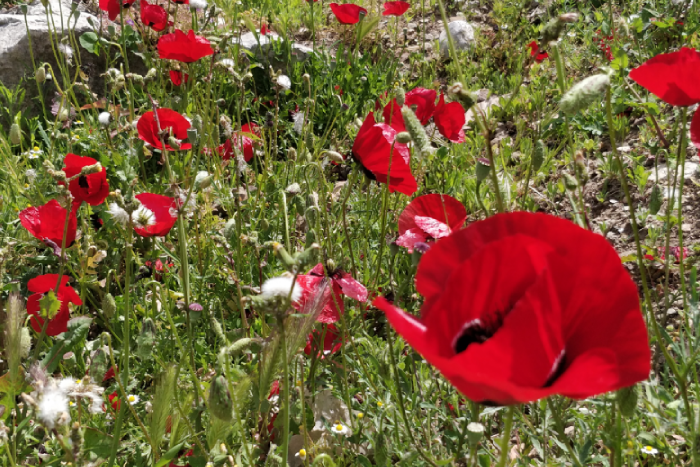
column 77, row 332
column 366, row 26
column 655, row 201
column 97, row 442
column 49, row 305
column 89, row 41
column 621, row 60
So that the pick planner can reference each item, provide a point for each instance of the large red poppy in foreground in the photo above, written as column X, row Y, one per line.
column 183, row 47
column 521, row 306
column 429, row 217
column 93, row 188
column 347, row 13
column 162, row 220
column 373, row 150
column 170, row 121
column 342, row 283
column 673, row 78
column 47, row 223
column 40, row 285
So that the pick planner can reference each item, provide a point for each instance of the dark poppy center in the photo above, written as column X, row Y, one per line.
column 82, row 181
column 472, row 332
column 557, row 369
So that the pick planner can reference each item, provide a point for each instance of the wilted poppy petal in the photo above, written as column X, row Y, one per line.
column 47, row 222
column 434, row 215
column 351, row 287
column 410, row 237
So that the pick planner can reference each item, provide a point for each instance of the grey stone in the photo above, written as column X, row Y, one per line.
column 264, row 44
column 462, row 35
column 690, row 170
column 15, row 61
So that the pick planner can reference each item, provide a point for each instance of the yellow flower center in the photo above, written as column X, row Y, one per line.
column 380, row 404
column 302, row 452
column 36, row 148
column 360, row 415
column 132, row 398
column 339, row 427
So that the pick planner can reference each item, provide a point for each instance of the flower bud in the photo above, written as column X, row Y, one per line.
column 538, row 155
column 584, row 93
column 483, row 169
column 335, row 157
column 25, row 342
column 146, row 339
column 220, row 402
column 456, row 92
column 109, row 306
column 309, row 140
column 404, row 137
column 151, row 75
column 292, row 154
column 173, row 142
column 627, row 400
column 580, row 167
column 552, row 30
column 202, row 180
column 416, row 130
column 570, row 182
column 40, row 74
column 15, row 134
column 400, row 97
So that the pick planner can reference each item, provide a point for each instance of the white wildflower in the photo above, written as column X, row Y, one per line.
column 298, row 122
column 30, row 174
column 133, row 399
column 650, row 450
column 284, row 82
column 301, row 454
column 34, row 153
column 83, row 389
column 340, row 429
column 119, row 215
column 280, row 287
column 143, row 217
column 227, row 62
column 198, row 4
column 104, row 118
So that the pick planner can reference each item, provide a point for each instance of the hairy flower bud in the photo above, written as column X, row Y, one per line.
column 416, row 130
column 220, row 402
column 400, row 97
column 146, row 339
column 584, row 93
column 109, row 306
column 404, row 137
column 15, row 134
column 627, row 400
column 40, row 75
column 456, row 92
column 570, row 182
column 335, row 157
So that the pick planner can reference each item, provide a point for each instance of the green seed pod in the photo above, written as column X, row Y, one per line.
column 264, row 224
column 538, row 155
column 627, row 400
column 15, row 134
column 220, row 402
column 146, row 339
column 310, row 216
column 483, row 169
column 292, row 154
column 552, row 30
column 109, row 306
column 416, row 130
column 310, row 238
column 404, row 137
column 570, row 182
column 40, row 74
column 173, row 142
column 400, row 96
column 475, row 431
column 98, row 365
column 584, row 93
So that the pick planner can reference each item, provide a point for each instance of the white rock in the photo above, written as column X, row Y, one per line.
column 14, row 45
column 462, row 36
column 264, row 44
column 690, row 170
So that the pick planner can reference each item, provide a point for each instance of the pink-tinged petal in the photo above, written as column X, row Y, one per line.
column 410, row 237
column 432, row 227
column 351, row 287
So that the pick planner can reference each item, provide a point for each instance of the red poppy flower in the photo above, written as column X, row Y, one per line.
column 157, row 210
column 331, row 342
column 535, row 51
column 429, row 217
column 521, row 306
column 450, row 120
column 395, row 8
column 263, row 30
column 424, row 102
column 40, row 285
column 671, row 77
column 112, row 7
column 342, row 283
column 373, row 150
column 178, row 77
column 114, row 400
column 109, row 374
column 154, row 16
column 93, row 188
column 169, row 121
column 347, row 13
column 183, row 47
column 47, row 222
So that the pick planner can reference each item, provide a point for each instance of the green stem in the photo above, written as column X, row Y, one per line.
column 506, row 437
column 285, row 387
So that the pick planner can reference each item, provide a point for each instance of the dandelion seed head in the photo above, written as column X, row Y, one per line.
column 143, row 217
column 280, row 287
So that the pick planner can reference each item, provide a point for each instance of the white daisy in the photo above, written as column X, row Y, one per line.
column 649, row 450
column 301, row 454
column 133, row 399
column 340, row 429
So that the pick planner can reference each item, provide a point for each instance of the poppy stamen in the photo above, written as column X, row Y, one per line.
column 472, row 332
